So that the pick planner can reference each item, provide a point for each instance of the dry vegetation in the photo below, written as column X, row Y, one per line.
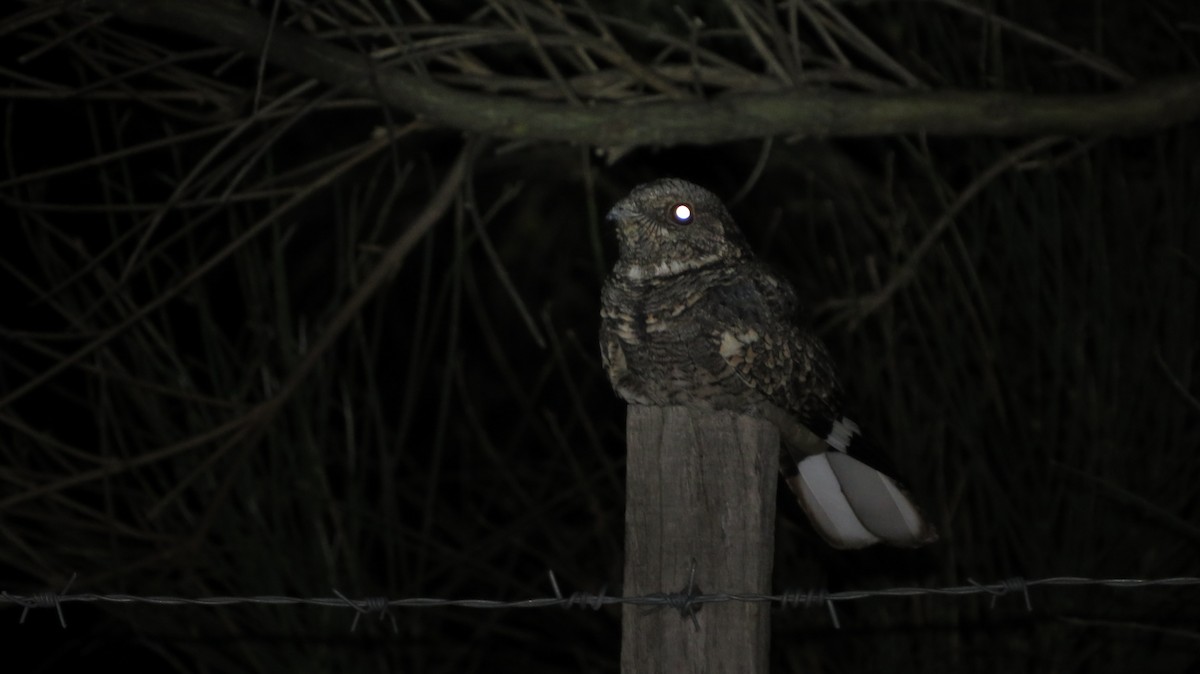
column 303, row 296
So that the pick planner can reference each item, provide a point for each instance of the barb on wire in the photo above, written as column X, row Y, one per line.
column 581, row 599
column 687, row 601
column 40, row 600
column 367, row 605
column 806, row 598
column 1004, row 587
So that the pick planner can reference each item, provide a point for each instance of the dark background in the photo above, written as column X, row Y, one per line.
column 173, row 424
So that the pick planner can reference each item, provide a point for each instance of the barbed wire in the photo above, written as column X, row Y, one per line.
column 686, row 602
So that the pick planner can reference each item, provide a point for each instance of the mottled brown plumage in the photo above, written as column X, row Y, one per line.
column 690, row 317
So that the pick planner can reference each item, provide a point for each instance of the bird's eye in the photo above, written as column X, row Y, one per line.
column 682, row 214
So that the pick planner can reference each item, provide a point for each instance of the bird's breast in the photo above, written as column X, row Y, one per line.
column 666, row 337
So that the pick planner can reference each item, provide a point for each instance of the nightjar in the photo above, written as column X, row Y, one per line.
column 689, row 317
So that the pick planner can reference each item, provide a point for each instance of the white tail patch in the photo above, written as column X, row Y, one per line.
column 853, row 505
column 841, row 434
column 831, row 513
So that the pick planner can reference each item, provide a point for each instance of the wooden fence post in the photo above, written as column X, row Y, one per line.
column 700, row 494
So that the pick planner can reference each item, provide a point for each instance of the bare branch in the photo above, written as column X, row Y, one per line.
column 1161, row 103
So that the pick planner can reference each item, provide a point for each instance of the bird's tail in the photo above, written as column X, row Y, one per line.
column 850, row 503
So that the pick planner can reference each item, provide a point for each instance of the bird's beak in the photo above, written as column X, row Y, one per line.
column 616, row 214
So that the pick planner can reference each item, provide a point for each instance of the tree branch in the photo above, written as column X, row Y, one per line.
column 1161, row 103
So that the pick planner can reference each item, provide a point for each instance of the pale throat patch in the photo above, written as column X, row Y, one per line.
column 640, row 272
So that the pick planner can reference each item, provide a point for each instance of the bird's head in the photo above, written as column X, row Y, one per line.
column 669, row 226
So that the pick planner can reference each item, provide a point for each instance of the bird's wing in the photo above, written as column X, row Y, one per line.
column 756, row 333
column 843, row 484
